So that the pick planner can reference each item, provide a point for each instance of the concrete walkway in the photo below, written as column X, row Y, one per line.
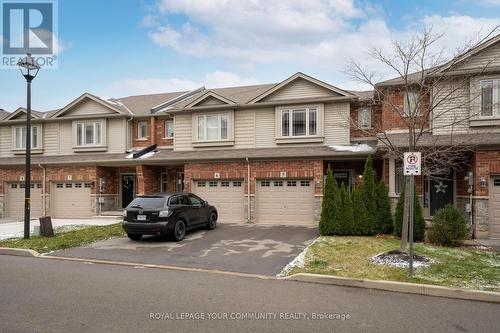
column 490, row 243
column 10, row 228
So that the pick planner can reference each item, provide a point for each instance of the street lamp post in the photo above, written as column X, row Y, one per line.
column 29, row 69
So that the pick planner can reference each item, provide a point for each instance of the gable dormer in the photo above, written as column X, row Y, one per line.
column 88, row 105
column 301, row 87
column 20, row 114
column 210, row 98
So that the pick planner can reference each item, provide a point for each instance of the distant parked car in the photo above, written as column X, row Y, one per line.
column 167, row 214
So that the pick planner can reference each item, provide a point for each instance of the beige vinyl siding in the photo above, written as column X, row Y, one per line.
column 116, row 136
column 265, row 127
column 451, row 108
column 210, row 101
column 244, row 133
column 183, row 132
column 300, row 88
column 51, row 141
column 5, row 141
column 66, row 138
column 89, row 107
column 490, row 57
column 336, row 123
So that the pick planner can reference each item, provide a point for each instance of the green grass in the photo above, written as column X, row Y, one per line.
column 455, row 267
column 64, row 239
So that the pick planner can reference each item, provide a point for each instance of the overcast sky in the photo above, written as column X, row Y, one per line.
column 116, row 48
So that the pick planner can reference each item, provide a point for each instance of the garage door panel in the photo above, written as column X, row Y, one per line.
column 226, row 196
column 71, row 200
column 285, row 202
column 15, row 200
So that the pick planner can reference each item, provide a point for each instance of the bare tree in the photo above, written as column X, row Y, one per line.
column 438, row 102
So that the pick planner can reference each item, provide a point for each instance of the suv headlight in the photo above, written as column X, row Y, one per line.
column 165, row 213
column 124, row 213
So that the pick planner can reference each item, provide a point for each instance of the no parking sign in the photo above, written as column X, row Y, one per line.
column 412, row 163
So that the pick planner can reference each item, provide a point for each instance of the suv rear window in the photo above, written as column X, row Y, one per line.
column 148, row 203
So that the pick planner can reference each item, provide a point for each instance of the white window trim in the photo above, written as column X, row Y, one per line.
column 216, row 142
column 165, row 134
column 319, row 122
column 139, row 134
column 102, row 144
column 39, row 145
column 495, row 112
column 361, row 109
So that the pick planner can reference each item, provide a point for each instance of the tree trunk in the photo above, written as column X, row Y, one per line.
column 404, row 228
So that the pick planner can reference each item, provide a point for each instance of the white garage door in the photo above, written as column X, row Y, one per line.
column 70, row 200
column 15, row 200
column 285, row 201
column 226, row 196
column 495, row 209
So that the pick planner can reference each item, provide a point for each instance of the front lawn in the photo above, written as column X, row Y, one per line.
column 455, row 267
column 64, row 239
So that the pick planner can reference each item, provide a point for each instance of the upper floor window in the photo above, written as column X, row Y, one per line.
column 169, row 128
column 89, row 134
column 364, row 118
column 20, row 137
column 299, row 122
column 411, row 103
column 142, row 130
column 490, row 98
column 213, row 127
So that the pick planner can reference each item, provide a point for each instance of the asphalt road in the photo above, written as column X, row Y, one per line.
column 45, row 295
column 244, row 248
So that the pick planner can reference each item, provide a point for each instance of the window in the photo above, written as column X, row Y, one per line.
column 265, row 183
column 278, row 183
column 88, row 185
column 69, row 185
column 20, row 137
column 291, row 183
column 195, row 201
column 174, row 201
column 305, row 183
column 89, row 134
column 13, row 185
column 164, row 182
column 142, row 130
column 59, row 185
column 224, row 184
column 201, row 184
column 487, row 98
column 400, row 181
column 78, row 185
column 299, row 122
column 364, row 118
column 213, row 127
column 411, row 103
column 169, row 128
column 237, row 184
column 38, row 185
column 212, row 184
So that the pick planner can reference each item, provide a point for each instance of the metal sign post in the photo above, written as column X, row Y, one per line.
column 412, row 167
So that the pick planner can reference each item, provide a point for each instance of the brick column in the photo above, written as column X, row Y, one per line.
column 148, row 179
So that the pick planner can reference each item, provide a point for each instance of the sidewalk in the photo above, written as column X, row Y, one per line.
column 491, row 243
column 10, row 229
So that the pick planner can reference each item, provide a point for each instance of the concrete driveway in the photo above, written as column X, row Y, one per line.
column 256, row 249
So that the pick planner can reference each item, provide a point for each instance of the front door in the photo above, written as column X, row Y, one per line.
column 128, row 189
column 441, row 193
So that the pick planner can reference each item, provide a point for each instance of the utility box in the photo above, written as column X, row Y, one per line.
column 46, row 229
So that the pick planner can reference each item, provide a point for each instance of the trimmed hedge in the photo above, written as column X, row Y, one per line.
column 449, row 227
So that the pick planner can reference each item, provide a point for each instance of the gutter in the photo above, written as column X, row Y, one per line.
column 44, row 199
column 249, row 219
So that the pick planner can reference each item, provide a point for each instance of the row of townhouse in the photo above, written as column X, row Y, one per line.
column 259, row 153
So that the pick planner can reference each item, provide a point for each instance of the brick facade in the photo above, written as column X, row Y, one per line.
column 155, row 132
column 391, row 120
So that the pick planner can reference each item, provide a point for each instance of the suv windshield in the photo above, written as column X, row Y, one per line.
column 147, row 203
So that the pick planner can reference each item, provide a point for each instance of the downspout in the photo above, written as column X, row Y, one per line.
column 44, row 199
column 249, row 220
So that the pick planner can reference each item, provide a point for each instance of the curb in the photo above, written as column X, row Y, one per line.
column 18, row 252
column 402, row 287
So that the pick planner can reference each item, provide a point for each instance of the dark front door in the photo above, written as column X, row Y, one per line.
column 441, row 193
column 128, row 189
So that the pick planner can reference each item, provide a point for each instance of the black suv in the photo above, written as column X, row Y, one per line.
column 167, row 214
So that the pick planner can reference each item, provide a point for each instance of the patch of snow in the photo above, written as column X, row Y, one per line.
column 361, row 148
column 299, row 261
column 148, row 155
column 400, row 260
